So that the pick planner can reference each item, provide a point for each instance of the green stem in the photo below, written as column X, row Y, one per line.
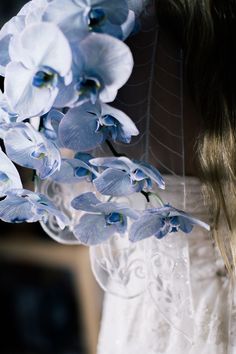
column 146, row 195
column 113, row 150
column 158, row 198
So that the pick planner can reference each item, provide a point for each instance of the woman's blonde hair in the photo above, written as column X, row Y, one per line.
column 207, row 29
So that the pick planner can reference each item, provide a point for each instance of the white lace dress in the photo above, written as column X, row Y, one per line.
column 186, row 304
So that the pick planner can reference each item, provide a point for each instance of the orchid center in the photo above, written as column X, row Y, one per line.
column 171, row 222
column 174, row 222
column 46, row 77
column 114, row 218
column 106, row 121
column 136, row 176
column 88, row 88
column 96, row 18
column 81, row 172
column 39, row 152
column 109, row 121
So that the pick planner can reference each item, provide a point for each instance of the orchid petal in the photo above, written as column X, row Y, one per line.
column 22, row 205
column 35, row 11
column 93, row 229
column 111, row 29
column 194, row 221
column 14, row 209
column 67, row 172
column 185, row 225
column 12, row 27
column 128, row 26
column 151, row 172
column 73, row 16
column 67, row 95
column 51, row 124
column 24, row 144
column 110, row 207
column 112, row 162
column 146, row 226
column 116, row 183
column 127, row 125
column 42, row 44
column 117, row 11
column 77, row 130
column 31, row 6
column 86, row 202
column 89, row 202
column 4, row 57
column 43, row 205
column 9, row 176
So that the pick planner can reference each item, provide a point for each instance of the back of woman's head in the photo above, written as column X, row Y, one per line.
column 207, row 30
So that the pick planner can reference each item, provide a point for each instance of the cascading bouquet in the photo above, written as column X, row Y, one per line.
column 64, row 61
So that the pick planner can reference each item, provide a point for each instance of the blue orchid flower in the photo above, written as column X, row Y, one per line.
column 75, row 16
column 85, row 127
column 21, row 205
column 161, row 221
column 102, row 220
column 29, row 148
column 40, row 59
column 123, row 176
column 9, row 176
column 31, row 12
column 76, row 170
column 101, row 66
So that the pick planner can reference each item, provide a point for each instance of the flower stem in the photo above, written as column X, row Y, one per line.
column 113, row 150
column 146, row 195
column 157, row 197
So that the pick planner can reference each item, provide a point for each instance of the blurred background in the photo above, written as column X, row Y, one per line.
column 49, row 300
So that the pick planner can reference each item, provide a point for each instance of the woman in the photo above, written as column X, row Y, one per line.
column 186, row 107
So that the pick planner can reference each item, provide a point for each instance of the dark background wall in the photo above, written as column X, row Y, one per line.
column 9, row 8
